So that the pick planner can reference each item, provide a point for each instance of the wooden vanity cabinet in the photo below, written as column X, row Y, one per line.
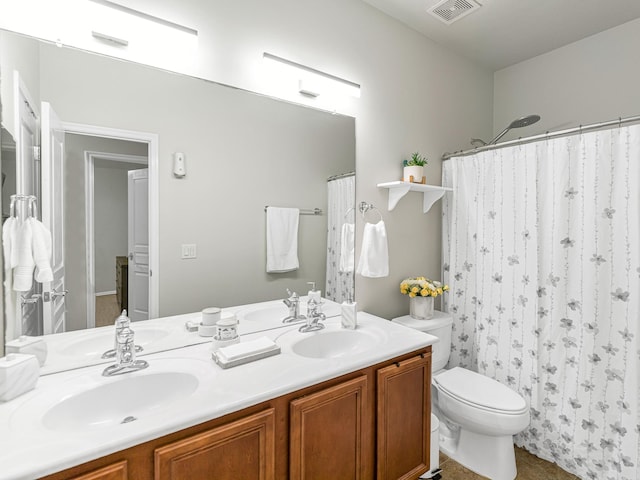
column 329, row 433
column 404, row 419
column 241, row 449
column 372, row 423
column 115, row 471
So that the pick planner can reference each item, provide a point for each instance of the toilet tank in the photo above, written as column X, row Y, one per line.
column 438, row 326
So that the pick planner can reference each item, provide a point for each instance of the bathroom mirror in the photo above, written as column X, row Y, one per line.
column 242, row 152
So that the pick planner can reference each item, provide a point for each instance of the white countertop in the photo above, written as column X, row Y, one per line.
column 28, row 449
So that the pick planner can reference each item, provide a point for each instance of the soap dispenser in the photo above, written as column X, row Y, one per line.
column 315, row 295
column 349, row 314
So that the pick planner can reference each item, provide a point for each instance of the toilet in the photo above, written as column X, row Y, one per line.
column 478, row 415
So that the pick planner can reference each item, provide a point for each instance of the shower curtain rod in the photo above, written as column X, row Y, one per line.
column 544, row 136
column 340, row 175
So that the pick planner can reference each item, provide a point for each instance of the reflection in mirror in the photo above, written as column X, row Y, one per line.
column 242, row 152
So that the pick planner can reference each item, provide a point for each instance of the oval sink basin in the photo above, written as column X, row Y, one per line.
column 271, row 313
column 95, row 344
column 331, row 342
column 123, row 401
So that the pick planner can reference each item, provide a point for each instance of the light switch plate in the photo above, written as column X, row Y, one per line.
column 188, row 250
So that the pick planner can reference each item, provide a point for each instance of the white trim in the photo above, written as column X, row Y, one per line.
column 152, row 140
column 90, row 158
column 104, row 294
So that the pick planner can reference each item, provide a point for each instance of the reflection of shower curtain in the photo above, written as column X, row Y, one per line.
column 542, row 251
column 342, row 196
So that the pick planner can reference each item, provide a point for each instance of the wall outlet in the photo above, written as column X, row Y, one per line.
column 189, row 250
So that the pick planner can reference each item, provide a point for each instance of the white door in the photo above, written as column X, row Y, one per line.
column 138, row 243
column 25, row 305
column 52, row 202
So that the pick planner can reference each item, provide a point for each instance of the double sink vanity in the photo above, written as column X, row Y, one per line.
column 335, row 403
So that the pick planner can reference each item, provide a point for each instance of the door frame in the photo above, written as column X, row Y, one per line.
column 152, row 140
column 90, row 158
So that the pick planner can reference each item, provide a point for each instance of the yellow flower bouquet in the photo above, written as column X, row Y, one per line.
column 422, row 287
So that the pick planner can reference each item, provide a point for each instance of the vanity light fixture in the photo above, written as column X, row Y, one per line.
column 311, row 82
column 121, row 26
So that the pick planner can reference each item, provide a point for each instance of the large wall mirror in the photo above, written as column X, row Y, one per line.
column 111, row 130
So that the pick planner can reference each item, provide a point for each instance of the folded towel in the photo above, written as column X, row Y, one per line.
column 374, row 255
column 23, row 271
column 282, row 239
column 347, row 246
column 246, row 349
column 41, row 250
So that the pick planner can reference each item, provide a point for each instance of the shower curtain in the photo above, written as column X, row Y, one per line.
column 342, row 197
column 541, row 252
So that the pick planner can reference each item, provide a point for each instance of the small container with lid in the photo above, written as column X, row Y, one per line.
column 226, row 331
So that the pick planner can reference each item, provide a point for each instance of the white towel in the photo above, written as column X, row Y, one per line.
column 347, row 248
column 41, row 250
column 282, row 239
column 374, row 255
column 9, row 238
column 23, row 271
column 246, row 349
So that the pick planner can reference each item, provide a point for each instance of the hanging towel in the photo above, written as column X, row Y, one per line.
column 282, row 239
column 9, row 238
column 347, row 246
column 23, row 271
column 374, row 255
column 41, row 250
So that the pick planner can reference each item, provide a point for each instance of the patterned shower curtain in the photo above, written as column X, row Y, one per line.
column 342, row 197
column 541, row 252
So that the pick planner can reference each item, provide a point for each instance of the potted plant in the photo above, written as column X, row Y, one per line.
column 414, row 169
column 422, row 291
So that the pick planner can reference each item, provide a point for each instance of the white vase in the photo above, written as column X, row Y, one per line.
column 421, row 308
column 415, row 171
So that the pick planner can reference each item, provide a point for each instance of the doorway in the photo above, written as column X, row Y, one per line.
column 97, row 224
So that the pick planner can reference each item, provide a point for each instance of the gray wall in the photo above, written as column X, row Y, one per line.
column 75, row 218
column 589, row 81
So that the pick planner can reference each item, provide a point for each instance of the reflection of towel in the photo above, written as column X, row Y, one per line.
column 23, row 271
column 347, row 246
column 282, row 239
column 9, row 237
column 374, row 255
column 41, row 250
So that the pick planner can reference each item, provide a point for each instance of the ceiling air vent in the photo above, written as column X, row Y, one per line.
column 449, row 11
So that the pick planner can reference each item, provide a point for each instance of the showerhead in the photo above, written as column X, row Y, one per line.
column 524, row 121
column 520, row 122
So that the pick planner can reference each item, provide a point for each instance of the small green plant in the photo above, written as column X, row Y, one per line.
column 416, row 159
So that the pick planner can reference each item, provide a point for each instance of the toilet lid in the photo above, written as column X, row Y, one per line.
column 475, row 389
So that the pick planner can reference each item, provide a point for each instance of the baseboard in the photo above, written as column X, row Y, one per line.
column 102, row 294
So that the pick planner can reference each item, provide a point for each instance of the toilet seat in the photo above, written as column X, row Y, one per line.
column 480, row 392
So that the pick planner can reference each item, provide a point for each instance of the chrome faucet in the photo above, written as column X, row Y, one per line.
column 121, row 322
column 125, row 355
column 293, row 302
column 313, row 318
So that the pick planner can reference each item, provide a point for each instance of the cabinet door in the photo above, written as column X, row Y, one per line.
column 329, row 433
column 115, row 471
column 404, row 419
column 244, row 448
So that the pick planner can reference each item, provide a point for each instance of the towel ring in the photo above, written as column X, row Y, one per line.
column 364, row 207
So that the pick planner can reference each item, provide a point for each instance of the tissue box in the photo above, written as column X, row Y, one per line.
column 30, row 345
column 18, row 374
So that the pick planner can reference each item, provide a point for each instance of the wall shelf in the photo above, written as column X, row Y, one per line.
column 398, row 189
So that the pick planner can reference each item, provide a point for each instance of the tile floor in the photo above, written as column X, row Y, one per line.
column 529, row 467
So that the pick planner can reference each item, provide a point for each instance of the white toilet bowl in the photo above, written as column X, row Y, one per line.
column 482, row 415
column 478, row 415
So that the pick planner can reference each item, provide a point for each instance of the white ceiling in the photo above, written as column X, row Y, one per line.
column 504, row 32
